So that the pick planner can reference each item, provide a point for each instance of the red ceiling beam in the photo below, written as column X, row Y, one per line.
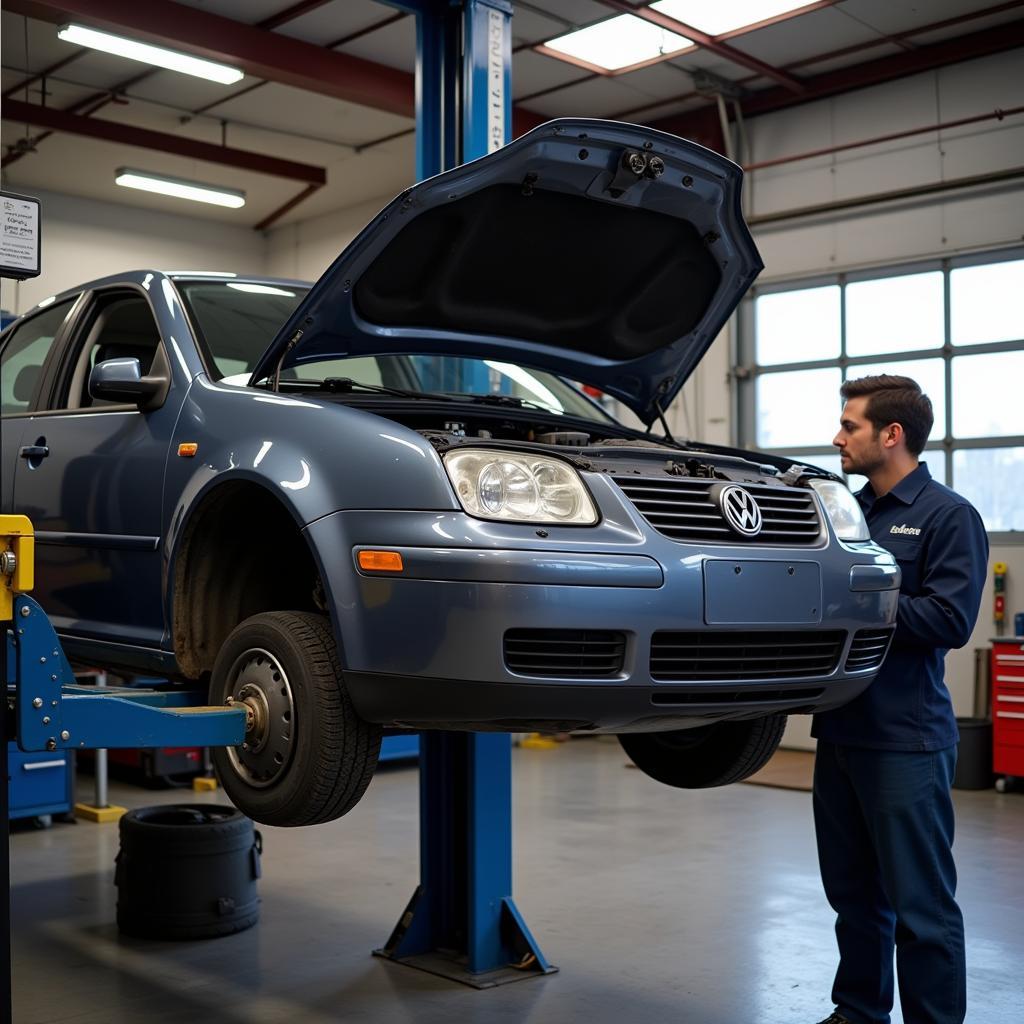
column 710, row 43
column 885, row 69
column 275, row 215
column 145, row 138
column 256, row 51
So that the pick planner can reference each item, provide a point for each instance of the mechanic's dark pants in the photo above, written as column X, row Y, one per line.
column 884, row 822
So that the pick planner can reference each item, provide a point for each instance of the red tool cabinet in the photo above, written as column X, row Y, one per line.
column 1008, row 707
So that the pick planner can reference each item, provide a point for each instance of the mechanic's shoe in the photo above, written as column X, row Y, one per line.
column 835, row 1018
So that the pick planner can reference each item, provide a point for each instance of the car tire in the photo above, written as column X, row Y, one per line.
column 187, row 871
column 308, row 757
column 710, row 755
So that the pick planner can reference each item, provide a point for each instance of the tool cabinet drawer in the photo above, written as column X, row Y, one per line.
column 40, row 783
column 1008, row 660
column 1008, row 760
column 1008, row 723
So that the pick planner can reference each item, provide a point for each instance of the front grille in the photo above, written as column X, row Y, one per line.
column 682, row 509
column 868, row 649
column 589, row 653
column 744, row 655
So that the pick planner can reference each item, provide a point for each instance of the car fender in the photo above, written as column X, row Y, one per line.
column 313, row 457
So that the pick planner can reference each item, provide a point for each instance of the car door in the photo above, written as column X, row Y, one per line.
column 25, row 350
column 91, row 477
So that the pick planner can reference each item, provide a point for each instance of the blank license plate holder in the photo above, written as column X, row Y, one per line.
column 748, row 592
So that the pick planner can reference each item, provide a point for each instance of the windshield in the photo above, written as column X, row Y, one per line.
column 457, row 376
column 237, row 320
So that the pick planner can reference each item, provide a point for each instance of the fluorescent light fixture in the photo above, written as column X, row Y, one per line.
column 148, row 54
column 259, row 289
column 180, row 188
column 716, row 18
column 619, row 43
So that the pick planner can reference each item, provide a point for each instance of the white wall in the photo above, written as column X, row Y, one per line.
column 306, row 248
column 943, row 224
column 84, row 239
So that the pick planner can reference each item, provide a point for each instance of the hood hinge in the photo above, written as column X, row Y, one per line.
column 292, row 342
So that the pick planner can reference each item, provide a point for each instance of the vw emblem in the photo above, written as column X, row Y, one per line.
column 740, row 510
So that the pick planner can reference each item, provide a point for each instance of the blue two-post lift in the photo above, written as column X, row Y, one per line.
column 461, row 921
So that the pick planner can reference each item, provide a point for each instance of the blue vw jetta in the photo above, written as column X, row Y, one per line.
column 395, row 510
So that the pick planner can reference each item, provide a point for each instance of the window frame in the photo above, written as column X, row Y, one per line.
column 53, row 354
column 747, row 371
column 61, row 370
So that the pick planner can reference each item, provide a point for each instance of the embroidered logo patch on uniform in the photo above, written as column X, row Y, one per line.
column 911, row 531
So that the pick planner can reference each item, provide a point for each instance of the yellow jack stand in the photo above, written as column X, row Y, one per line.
column 204, row 784
column 535, row 741
column 100, row 815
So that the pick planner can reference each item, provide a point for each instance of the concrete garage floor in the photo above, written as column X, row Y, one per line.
column 658, row 905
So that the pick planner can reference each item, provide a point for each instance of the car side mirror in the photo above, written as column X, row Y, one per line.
column 121, row 380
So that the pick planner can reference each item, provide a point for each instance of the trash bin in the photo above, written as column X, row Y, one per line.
column 974, row 756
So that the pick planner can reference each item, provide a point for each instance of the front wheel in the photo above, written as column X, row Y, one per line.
column 307, row 756
column 710, row 755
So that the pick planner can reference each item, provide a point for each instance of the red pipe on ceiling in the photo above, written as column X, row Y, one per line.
column 145, row 138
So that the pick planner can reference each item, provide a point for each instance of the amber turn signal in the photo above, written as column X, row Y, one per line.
column 188, row 451
column 380, row 561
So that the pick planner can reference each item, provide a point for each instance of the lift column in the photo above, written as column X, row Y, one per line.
column 461, row 922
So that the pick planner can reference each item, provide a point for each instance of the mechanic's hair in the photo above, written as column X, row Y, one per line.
column 892, row 399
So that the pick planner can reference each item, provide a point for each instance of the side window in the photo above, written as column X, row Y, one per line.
column 24, row 353
column 120, row 326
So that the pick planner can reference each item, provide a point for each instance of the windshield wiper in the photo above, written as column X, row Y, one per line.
column 346, row 385
column 512, row 401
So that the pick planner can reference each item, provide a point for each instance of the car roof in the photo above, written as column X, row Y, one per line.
column 140, row 276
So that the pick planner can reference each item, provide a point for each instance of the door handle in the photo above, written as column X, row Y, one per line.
column 34, row 451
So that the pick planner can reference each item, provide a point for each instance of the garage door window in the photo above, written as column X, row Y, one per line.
column 956, row 326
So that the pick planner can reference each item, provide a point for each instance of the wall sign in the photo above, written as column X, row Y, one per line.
column 19, row 236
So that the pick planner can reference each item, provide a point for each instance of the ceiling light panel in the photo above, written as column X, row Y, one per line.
column 619, row 43
column 179, row 188
column 717, row 18
column 148, row 54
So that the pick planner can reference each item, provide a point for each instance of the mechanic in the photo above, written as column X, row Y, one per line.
column 883, row 811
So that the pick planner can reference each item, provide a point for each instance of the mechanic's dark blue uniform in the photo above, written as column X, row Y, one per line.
column 882, row 806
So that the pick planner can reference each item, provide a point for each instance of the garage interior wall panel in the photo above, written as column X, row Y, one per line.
column 943, row 224
column 86, row 238
column 305, row 248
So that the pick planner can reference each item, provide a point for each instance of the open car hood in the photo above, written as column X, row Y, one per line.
column 608, row 253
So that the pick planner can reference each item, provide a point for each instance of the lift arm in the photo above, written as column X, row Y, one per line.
column 52, row 712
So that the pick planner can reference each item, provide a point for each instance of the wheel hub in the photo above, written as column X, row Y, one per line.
column 258, row 682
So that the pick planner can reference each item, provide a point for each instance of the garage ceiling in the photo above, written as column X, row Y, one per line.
column 328, row 87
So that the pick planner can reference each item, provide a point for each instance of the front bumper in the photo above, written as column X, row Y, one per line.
column 425, row 649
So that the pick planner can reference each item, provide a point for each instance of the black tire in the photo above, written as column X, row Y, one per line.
column 316, row 767
column 187, row 871
column 711, row 755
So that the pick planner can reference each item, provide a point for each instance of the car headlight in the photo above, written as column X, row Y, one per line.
column 519, row 488
column 843, row 510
